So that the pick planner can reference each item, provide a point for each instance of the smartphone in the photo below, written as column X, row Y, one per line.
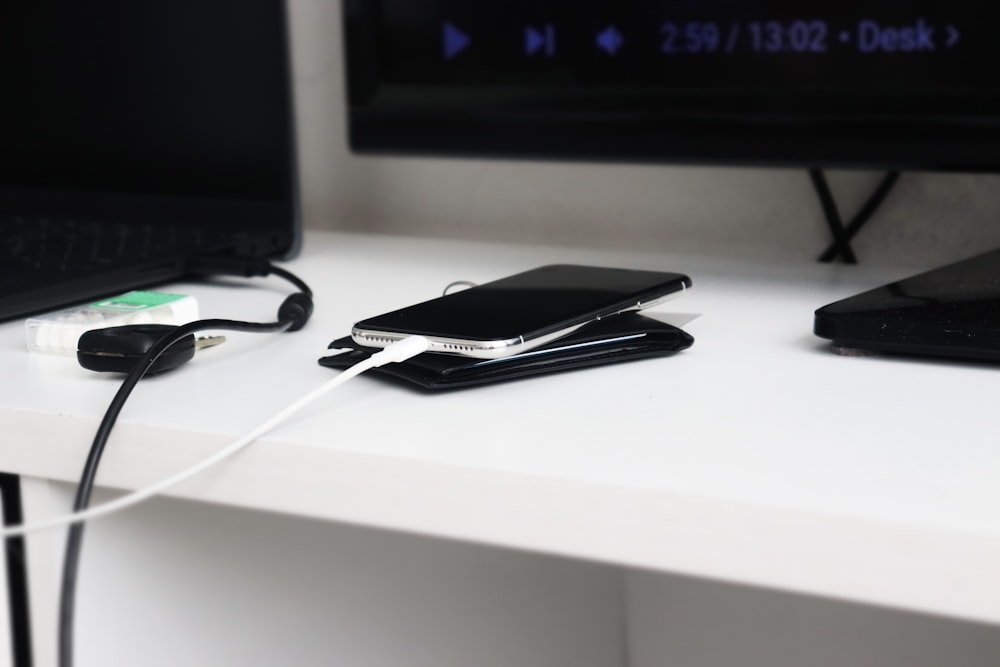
column 518, row 313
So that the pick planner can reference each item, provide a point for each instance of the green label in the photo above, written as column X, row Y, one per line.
column 138, row 300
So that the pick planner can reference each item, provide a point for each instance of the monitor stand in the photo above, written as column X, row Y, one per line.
column 953, row 311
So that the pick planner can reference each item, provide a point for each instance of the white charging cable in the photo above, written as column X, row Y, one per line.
column 395, row 353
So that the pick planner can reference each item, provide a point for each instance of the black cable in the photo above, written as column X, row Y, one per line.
column 292, row 315
column 878, row 196
column 17, row 572
column 292, row 278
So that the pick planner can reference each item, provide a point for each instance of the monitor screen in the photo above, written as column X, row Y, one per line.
column 888, row 84
column 131, row 107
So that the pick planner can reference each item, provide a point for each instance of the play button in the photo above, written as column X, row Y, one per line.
column 453, row 40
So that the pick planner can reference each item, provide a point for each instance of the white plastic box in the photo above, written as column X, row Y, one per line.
column 59, row 332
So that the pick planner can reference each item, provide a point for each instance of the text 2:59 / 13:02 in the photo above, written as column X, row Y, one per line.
column 804, row 36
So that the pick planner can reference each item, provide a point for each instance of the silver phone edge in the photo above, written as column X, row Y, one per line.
column 477, row 349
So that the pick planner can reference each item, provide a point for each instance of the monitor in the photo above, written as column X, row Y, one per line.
column 890, row 84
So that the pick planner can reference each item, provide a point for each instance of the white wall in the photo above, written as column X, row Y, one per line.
column 694, row 623
column 931, row 218
column 177, row 583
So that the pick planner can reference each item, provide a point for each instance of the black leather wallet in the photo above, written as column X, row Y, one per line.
column 625, row 337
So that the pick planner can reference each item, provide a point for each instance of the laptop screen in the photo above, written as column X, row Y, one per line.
column 140, row 109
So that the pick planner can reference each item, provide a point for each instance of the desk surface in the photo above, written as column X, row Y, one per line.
column 757, row 456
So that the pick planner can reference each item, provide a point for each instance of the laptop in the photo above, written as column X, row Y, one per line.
column 137, row 136
column 953, row 311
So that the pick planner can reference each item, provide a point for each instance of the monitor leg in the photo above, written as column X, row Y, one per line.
column 842, row 235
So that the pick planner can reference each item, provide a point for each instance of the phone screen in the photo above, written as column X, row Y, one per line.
column 530, row 304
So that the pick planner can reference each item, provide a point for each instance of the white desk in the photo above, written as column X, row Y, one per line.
column 756, row 457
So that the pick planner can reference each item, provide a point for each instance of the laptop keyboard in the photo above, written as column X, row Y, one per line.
column 43, row 251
